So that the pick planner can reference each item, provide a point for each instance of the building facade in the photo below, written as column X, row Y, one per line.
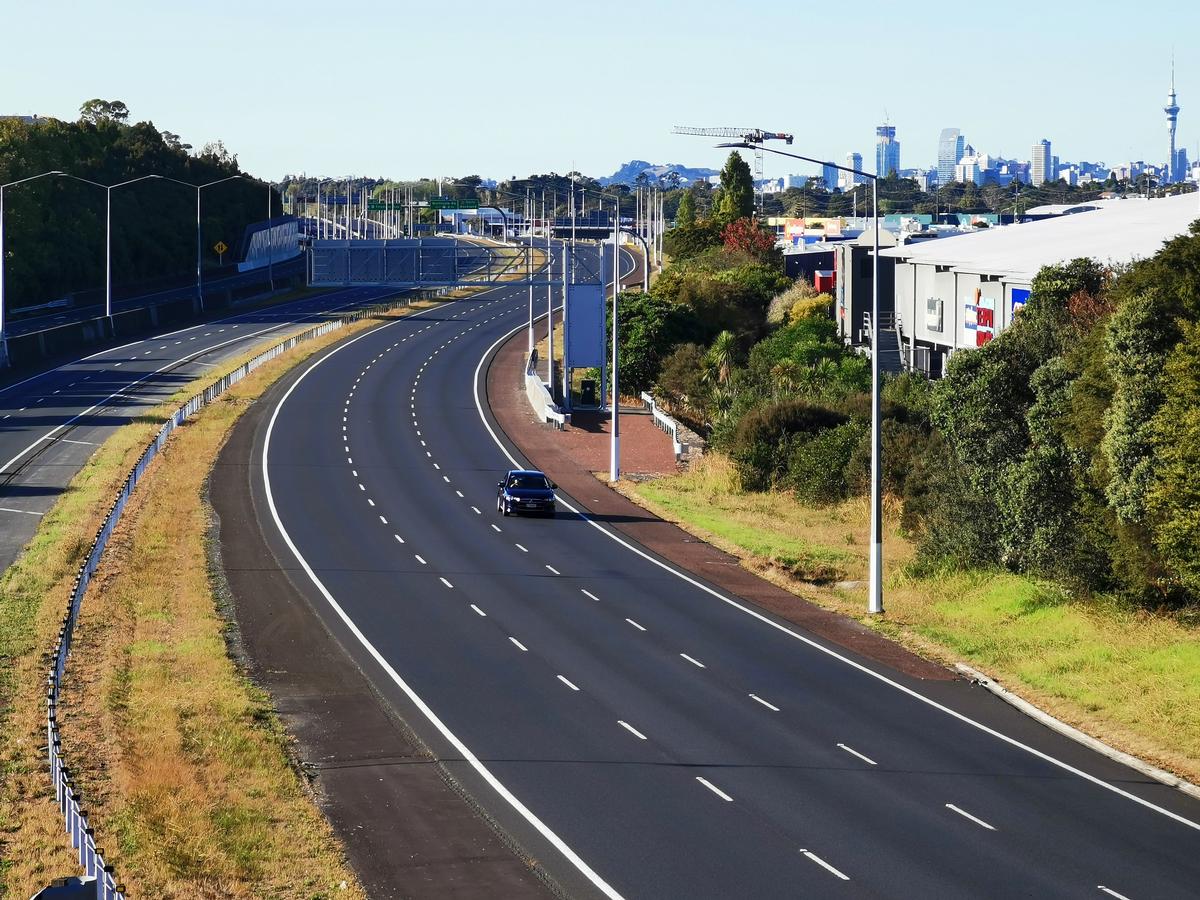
column 950, row 153
column 887, row 151
column 1041, row 164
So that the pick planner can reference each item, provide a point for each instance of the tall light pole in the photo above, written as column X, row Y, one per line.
column 875, row 564
column 199, row 249
column 614, row 446
column 3, row 307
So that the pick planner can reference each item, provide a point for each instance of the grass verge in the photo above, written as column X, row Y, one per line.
column 182, row 763
column 1126, row 676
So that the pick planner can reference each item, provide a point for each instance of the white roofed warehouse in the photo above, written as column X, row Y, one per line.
column 960, row 292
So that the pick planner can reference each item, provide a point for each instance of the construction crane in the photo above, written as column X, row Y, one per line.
column 753, row 136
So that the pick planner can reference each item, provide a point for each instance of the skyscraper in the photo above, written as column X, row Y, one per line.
column 1041, row 167
column 848, row 180
column 950, row 153
column 887, row 151
column 1174, row 172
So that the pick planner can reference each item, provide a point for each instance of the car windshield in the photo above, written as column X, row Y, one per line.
column 528, row 481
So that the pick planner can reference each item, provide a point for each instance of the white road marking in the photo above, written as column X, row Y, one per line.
column 460, row 493
column 553, row 570
column 360, row 487
column 590, row 594
column 967, row 815
column 27, row 512
column 770, row 706
column 1111, row 892
column 716, row 790
column 445, row 582
column 520, row 646
column 383, row 520
column 854, row 752
column 370, row 501
column 399, row 539
column 567, row 683
column 828, row 651
column 631, row 729
column 420, row 560
column 636, row 625
column 478, row 610
column 825, row 865
column 495, row 527
column 693, row 661
column 354, row 472
column 522, row 549
column 436, row 466
column 446, row 479
column 475, row 509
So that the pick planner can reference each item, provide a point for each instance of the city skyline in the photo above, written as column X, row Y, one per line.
column 380, row 88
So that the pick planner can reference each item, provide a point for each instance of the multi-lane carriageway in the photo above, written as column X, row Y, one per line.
column 637, row 731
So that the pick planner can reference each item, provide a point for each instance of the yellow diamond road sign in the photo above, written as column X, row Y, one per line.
column 220, row 247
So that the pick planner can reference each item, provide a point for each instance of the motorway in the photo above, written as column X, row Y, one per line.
column 52, row 422
column 635, row 730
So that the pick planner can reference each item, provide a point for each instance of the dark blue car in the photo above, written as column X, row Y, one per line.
column 525, row 491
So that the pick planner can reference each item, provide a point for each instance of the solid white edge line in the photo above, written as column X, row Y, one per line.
column 570, row 855
column 854, row 752
column 967, row 815
column 631, row 729
column 825, row 865
column 1013, row 742
column 716, row 790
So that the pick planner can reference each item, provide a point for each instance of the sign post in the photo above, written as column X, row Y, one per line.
column 220, row 247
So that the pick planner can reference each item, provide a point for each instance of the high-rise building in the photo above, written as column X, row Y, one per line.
column 829, row 174
column 1174, row 173
column 848, row 180
column 1041, row 168
column 887, row 151
column 950, row 153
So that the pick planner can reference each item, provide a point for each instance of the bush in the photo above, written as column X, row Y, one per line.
column 685, row 241
column 683, row 381
column 816, row 307
column 816, row 470
column 781, row 304
column 762, row 441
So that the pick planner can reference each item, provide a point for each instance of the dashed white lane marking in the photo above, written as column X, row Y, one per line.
column 460, row 493
column 521, row 548
column 446, row 479
column 445, row 582
column 967, row 815
column 587, row 593
column 478, row 610
column 693, row 661
column 553, row 571
column 495, row 528
column 520, row 646
column 354, row 472
column 360, row 487
column 854, row 752
column 636, row 625
column 1111, row 892
column 820, row 862
column 475, row 509
column 27, row 512
column 436, row 466
column 564, row 680
column 383, row 520
column 770, row 706
column 631, row 730
column 420, row 559
column 399, row 539
column 428, row 454
column 716, row 790
column 370, row 501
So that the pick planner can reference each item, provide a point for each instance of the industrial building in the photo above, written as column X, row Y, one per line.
column 960, row 292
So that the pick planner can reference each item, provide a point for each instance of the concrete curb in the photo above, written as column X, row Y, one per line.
column 993, row 686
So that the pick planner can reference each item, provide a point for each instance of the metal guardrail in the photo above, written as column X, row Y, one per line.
column 66, row 792
column 667, row 424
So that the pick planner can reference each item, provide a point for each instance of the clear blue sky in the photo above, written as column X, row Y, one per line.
column 410, row 89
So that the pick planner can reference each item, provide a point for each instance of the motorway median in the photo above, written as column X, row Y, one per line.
column 184, row 767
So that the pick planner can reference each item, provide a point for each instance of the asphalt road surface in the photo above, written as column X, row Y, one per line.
column 637, row 731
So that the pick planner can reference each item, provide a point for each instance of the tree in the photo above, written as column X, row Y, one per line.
column 737, row 189
column 747, row 236
column 97, row 111
column 722, row 355
column 686, row 216
column 670, row 180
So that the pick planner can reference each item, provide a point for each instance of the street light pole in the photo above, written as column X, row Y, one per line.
column 614, row 447
column 875, row 562
column 3, row 305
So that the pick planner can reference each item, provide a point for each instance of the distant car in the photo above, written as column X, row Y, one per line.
column 525, row 490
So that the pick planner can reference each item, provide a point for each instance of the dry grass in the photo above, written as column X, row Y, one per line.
column 1129, row 677
column 182, row 763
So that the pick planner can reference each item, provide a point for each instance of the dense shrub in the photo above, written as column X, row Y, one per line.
column 761, row 444
column 816, row 468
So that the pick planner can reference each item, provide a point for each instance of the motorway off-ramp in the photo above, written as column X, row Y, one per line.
column 638, row 732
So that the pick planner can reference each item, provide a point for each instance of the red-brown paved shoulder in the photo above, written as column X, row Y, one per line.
column 570, row 457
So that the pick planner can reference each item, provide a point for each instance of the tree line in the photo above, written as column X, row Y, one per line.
column 54, row 228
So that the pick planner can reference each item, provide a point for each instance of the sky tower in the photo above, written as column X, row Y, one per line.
column 1172, row 111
